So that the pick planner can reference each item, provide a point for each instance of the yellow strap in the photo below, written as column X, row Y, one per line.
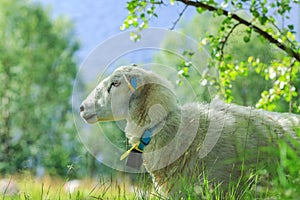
column 135, row 146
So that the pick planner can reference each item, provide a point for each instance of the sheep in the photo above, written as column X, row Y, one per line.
column 180, row 145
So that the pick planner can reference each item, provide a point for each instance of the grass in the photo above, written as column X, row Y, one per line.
column 55, row 188
column 280, row 181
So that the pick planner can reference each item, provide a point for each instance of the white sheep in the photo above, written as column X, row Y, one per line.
column 182, row 144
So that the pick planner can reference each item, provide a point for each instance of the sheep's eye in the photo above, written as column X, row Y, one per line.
column 114, row 83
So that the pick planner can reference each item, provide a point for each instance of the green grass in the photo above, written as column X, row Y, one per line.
column 280, row 181
column 53, row 188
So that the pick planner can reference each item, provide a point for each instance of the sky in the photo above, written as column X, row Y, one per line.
column 98, row 20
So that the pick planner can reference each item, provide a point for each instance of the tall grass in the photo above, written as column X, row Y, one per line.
column 54, row 188
column 281, row 180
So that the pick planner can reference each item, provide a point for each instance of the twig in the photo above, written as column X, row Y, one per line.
column 264, row 34
column 226, row 38
column 179, row 17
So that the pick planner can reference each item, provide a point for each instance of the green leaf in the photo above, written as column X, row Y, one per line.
column 219, row 11
column 264, row 10
column 255, row 14
column 291, row 27
column 200, row 10
column 263, row 19
column 248, row 30
column 246, row 39
column 186, row 71
column 239, row 5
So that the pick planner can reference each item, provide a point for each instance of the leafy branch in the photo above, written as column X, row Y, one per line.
column 257, row 29
column 280, row 69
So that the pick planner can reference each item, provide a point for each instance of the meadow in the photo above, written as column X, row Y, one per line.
column 31, row 188
column 283, row 182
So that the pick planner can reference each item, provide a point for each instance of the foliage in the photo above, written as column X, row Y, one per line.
column 37, row 69
column 287, row 180
column 258, row 16
column 241, row 89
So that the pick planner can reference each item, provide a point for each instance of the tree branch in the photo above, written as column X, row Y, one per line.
column 179, row 17
column 226, row 38
column 261, row 32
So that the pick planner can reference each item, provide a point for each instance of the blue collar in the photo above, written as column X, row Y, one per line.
column 145, row 139
column 140, row 146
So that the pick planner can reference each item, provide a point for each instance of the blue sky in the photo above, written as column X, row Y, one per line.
column 95, row 21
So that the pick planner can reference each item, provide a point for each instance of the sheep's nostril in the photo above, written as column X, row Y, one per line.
column 81, row 108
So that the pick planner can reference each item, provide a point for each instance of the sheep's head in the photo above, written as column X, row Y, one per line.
column 107, row 101
column 120, row 94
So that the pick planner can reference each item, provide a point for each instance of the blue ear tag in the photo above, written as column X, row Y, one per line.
column 133, row 82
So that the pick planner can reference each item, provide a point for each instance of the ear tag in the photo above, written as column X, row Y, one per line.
column 133, row 82
column 124, row 155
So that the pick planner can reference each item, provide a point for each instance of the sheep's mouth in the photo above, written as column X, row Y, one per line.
column 92, row 118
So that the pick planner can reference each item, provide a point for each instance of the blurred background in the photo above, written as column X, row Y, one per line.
column 43, row 46
column 44, row 43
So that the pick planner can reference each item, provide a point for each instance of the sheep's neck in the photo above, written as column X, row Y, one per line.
column 164, row 134
column 145, row 139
